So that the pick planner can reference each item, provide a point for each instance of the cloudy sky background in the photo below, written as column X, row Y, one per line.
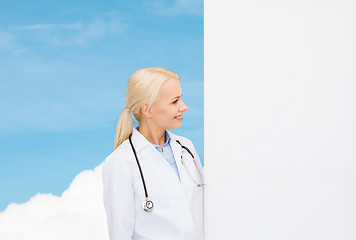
column 64, row 66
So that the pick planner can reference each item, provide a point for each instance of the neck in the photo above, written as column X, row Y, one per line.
column 155, row 136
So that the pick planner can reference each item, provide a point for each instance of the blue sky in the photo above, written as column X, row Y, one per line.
column 64, row 66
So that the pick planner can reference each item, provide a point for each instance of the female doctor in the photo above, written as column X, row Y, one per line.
column 153, row 180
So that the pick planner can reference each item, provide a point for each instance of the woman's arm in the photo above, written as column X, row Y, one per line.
column 118, row 198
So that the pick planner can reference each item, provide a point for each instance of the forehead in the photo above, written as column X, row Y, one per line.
column 170, row 89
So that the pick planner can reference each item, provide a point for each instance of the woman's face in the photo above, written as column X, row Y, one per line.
column 167, row 111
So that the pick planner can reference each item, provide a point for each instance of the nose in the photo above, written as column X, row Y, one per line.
column 183, row 107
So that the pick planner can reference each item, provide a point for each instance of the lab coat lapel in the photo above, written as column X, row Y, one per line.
column 139, row 140
column 177, row 153
column 185, row 187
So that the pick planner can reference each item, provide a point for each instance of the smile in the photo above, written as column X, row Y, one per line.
column 179, row 117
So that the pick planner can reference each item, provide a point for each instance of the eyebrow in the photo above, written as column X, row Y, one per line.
column 178, row 96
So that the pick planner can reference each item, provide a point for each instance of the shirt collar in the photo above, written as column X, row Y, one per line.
column 168, row 137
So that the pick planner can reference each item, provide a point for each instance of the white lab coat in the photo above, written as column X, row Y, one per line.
column 178, row 211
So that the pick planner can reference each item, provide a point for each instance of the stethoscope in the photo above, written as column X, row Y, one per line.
column 147, row 204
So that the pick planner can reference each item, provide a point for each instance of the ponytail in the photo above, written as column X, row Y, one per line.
column 124, row 127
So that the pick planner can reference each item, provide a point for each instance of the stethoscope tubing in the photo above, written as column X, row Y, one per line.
column 191, row 154
column 196, row 166
column 139, row 167
column 147, row 205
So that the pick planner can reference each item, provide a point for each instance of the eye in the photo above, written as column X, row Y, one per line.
column 175, row 101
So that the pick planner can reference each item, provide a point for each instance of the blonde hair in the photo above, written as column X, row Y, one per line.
column 143, row 88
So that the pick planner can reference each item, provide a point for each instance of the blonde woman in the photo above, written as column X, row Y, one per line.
column 153, row 180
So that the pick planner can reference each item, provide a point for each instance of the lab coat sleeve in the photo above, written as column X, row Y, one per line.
column 118, row 198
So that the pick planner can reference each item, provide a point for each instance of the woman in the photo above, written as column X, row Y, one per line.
column 153, row 180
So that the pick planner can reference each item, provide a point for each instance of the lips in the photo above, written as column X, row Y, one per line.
column 180, row 117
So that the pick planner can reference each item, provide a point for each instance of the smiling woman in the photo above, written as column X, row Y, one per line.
column 155, row 94
column 166, row 112
column 153, row 180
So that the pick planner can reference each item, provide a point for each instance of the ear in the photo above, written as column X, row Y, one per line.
column 146, row 111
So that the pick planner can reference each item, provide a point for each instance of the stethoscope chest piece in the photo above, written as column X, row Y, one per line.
column 147, row 205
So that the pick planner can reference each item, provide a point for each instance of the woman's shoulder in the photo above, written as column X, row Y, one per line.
column 118, row 166
column 121, row 155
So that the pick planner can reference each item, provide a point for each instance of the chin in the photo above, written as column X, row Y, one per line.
column 176, row 125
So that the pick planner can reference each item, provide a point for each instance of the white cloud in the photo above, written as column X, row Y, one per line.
column 75, row 26
column 6, row 40
column 75, row 33
column 179, row 7
column 8, row 43
column 77, row 214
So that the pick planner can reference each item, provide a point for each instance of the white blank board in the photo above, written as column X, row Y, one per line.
column 280, row 120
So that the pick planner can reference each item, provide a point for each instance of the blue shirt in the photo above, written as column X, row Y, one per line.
column 166, row 153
